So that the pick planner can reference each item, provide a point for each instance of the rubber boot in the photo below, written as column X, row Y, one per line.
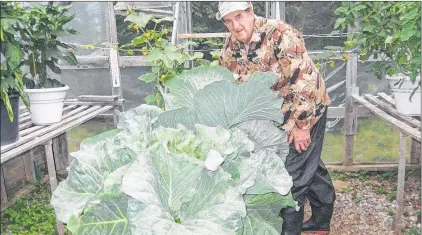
column 292, row 221
column 319, row 223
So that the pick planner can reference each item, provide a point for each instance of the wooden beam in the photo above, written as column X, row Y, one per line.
column 48, row 129
column 113, row 53
column 135, row 5
column 350, row 118
column 55, row 132
column 133, row 61
column 413, row 132
column 201, row 35
column 27, row 115
column 415, row 152
column 87, row 104
column 387, row 98
column 52, row 177
column 60, row 152
column 28, row 162
column 87, row 62
column 27, row 128
column 3, row 192
column 97, row 98
column 338, row 112
column 368, row 167
column 114, row 60
column 400, row 185
column 392, row 111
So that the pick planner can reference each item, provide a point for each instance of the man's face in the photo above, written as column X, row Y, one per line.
column 240, row 24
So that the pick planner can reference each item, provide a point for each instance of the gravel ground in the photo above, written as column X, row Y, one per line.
column 365, row 203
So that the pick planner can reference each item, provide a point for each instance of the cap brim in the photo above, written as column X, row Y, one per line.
column 218, row 15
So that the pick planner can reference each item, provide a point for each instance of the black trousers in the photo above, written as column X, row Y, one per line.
column 310, row 176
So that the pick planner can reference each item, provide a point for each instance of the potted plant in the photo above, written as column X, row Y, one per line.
column 11, row 75
column 391, row 32
column 43, row 48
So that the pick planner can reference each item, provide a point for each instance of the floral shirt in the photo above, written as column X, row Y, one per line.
column 278, row 47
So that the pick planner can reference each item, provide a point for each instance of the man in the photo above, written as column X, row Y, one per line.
column 258, row 44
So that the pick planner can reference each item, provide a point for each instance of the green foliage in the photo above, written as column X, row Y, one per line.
column 391, row 196
column 413, row 231
column 41, row 44
column 31, row 214
column 11, row 57
column 167, row 60
column 381, row 190
column 390, row 31
column 162, row 171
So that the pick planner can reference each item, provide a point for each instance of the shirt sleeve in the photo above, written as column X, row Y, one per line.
column 298, row 69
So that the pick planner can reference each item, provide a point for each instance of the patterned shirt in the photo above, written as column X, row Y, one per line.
column 278, row 47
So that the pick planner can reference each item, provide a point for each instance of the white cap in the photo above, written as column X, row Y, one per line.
column 225, row 8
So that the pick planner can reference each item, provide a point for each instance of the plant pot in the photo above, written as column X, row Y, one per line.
column 402, row 94
column 46, row 105
column 9, row 130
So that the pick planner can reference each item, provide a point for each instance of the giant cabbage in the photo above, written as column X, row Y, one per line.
column 212, row 164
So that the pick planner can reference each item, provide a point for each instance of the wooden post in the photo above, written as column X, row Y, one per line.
column 52, row 177
column 3, row 193
column 415, row 152
column 28, row 162
column 350, row 113
column 114, row 59
column 267, row 9
column 282, row 8
column 60, row 152
column 400, row 184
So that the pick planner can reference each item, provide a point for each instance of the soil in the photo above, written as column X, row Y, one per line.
column 365, row 203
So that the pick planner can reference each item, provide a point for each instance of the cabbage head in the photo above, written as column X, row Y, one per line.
column 212, row 164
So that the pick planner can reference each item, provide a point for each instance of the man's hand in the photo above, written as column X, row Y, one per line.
column 301, row 138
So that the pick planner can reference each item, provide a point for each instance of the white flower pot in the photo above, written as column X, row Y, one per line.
column 402, row 93
column 46, row 105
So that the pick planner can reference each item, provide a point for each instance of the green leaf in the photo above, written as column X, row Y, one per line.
column 6, row 102
column 70, row 58
column 139, row 40
column 168, row 18
column 339, row 21
column 172, row 118
column 197, row 55
column 147, row 78
column 109, row 215
column 139, row 120
column 86, row 175
column 13, row 55
column 190, row 81
column 350, row 44
column 368, row 28
column 159, row 201
column 388, row 40
column 226, row 104
column 263, row 213
column 152, row 99
column 173, row 54
column 54, row 68
column 156, row 54
column 140, row 18
column 406, row 35
column 359, row 7
column 215, row 54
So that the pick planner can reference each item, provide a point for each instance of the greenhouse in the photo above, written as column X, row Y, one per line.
column 206, row 117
